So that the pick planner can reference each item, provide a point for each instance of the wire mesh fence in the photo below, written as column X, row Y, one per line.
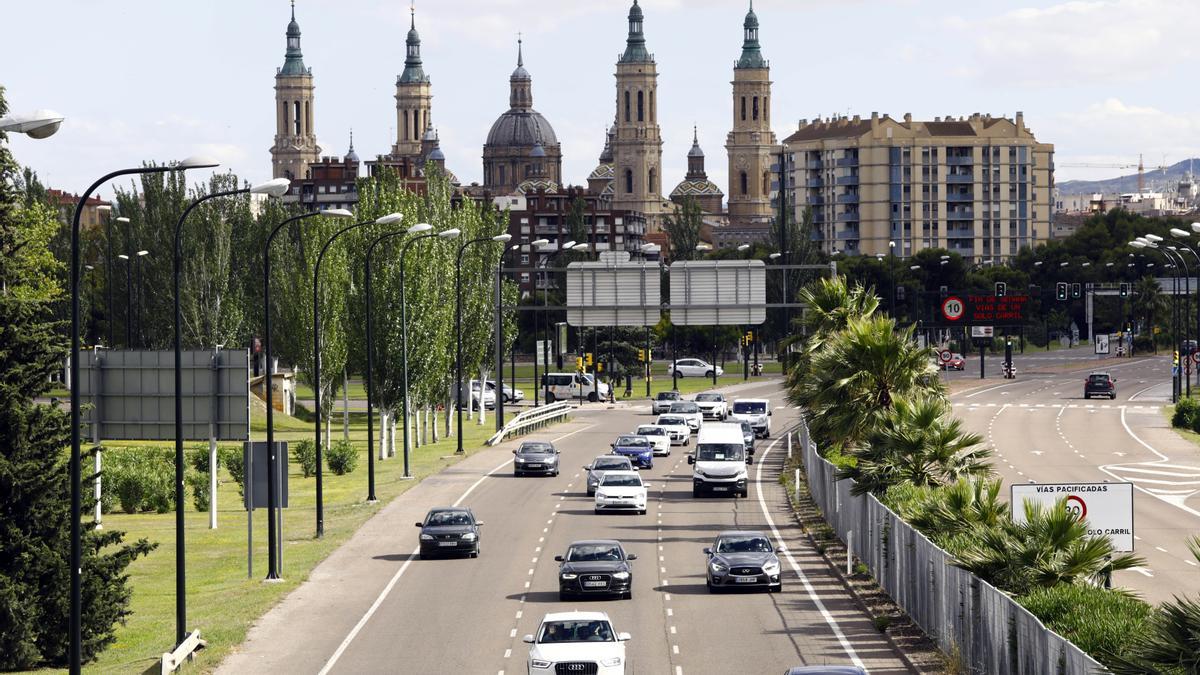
column 985, row 629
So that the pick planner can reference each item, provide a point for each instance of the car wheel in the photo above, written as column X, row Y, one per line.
column 1112, row 397
column 778, row 588
column 591, row 493
column 475, row 553
column 745, row 494
column 549, row 397
column 627, row 595
column 695, row 492
column 708, row 373
column 516, row 474
column 596, row 511
column 713, row 588
column 642, row 512
column 686, row 441
column 592, row 397
column 563, row 596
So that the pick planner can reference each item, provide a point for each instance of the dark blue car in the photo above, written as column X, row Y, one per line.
column 639, row 450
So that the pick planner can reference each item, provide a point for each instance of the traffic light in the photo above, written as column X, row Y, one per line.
column 1075, row 290
column 943, row 291
column 600, row 367
column 579, row 363
column 900, row 293
column 1060, row 290
column 641, row 356
column 1001, row 289
column 749, row 337
column 1124, row 290
column 588, row 359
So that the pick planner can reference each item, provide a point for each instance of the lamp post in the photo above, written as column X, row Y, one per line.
column 108, row 264
column 892, row 273
column 76, row 611
column 336, row 213
column 1150, row 244
column 128, row 299
column 274, row 188
column 545, row 327
column 268, row 385
column 445, row 234
column 500, row 340
column 458, row 375
column 1184, row 235
column 537, row 388
column 420, row 227
column 140, row 289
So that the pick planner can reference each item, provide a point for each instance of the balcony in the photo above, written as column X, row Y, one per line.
column 814, row 164
column 848, row 234
column 847, row 161
column 816, row 200
column 546, row 229
column 818, row 217
column 958, row 197
column 814, row 183
column 848, row 180
column 960, row 214
column 960, row 161
column 848, row 217
column 848, row 198
column 960, row 178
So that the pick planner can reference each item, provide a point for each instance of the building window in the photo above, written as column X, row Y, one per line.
column 641, row 107
column 653, row 182
column 766, row 108
column 626, row 106
column 283, row 122
column 652, row 118
column 524, row 258
column 755, row 107
column 307, row 118
column 766, row 183
column 296, row 118
column 745, row 183
column 743, row 108
column 524, row 277
column 628, row 181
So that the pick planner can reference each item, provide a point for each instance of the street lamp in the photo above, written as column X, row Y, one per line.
column 128, row 299
column 458, row 333
column 500, row 340
column 545, row 328
column 535, row 245
column 141, row 333
column 445, row 235
column 892, row 270
column 914, row 267
column 274, row 188
column 1037, row 263
column 45, row 127
column 38, row 124
column 334, row 213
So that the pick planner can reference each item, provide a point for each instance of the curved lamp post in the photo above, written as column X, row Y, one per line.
column 38, row 124
column 445, row 234
column 274, row 188
column 545, row 327
column 537, row 322
column 458, row 332
column 76, row 613
column 389, row 219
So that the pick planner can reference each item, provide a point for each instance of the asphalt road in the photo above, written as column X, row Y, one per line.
column 374, row 607
column 1043, row 430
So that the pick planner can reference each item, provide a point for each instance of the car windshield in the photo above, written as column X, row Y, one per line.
column 684, row 407
column 594, row 553
column 620, row 480
column 958, row 357
column 719, row 452
column 439, row 518
column 576, row 631
column 633, row 442
column 672, row 421
column 651, row 431
column 749, row 408
column 708, row 397
column 611, row 463
column 747, row 544
column 668, row 396
column 536, row 449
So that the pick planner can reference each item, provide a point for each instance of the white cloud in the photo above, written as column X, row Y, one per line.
column 1127, row 130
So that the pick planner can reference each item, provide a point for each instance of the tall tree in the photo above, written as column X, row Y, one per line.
column 683, row 229
column 212, row 305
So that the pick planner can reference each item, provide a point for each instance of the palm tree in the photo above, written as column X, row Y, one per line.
column 829, row 305
column 1051, row 547
column 919, row 443
column 1148, row 301
column 1172, row 643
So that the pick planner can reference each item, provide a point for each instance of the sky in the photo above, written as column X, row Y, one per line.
column 142, row 80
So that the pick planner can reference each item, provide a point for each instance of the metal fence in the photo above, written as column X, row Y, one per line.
column 966, row 616
column 534, row 418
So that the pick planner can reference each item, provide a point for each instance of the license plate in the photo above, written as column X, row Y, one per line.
column 720, row 489
column 447, row 543
column 533, row 466
column 744, row 580
column 595, row 584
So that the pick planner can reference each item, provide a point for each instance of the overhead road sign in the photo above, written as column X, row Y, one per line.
column 613, row 291
column 718, row 292
column 1107, row 508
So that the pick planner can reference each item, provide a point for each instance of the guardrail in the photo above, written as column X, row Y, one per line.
column 965, row 615
column 534, row 418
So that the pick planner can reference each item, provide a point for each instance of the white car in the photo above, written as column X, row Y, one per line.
column 621, row 491
column 690, row 412
column 583, row 638
column 695, row 368
column 677, row 427
column 713, row 405
column 756, row 411
column 659, row 436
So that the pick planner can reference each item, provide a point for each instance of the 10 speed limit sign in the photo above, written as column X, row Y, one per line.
column 953, row 308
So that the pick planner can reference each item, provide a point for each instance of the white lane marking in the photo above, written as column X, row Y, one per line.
column 1159, row 548
column 666, row 597
column 507, row 653
column 674, row 649
column 670, row 612
column 519, row 614
column 678, row 670
column 808, row 587
column 1175, row 500
column 1145, row 571
column 512, row 633
column 1190, row 562
column 984, row 391
column 672, row 630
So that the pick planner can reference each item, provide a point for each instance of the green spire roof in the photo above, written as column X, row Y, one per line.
column 413, row 72
column 635, row 44
column 751, row 51
column 293, row 62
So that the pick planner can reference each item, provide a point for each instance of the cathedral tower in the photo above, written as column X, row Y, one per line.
column 295, row 141
column 413, row 98
column 637, row 141
column 751, row 144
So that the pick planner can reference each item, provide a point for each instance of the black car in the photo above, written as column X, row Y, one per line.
column 540, row 457
column 1100, row 384
column 742, row 559
column 595, row 567
column 449, row 530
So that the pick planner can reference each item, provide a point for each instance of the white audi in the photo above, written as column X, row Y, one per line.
column 577, row 642
column 621, row 491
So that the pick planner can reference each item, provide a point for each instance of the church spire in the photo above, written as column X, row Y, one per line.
column 635, row 43
column 413, row 71
column 293, row 62
column 520, row 83
column 751, row 50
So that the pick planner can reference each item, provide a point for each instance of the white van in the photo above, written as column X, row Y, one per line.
column 720, row 461
column 566, row 386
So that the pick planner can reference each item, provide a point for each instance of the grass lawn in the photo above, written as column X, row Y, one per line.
column 222, row 601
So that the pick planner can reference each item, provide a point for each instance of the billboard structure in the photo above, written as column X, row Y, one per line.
column 613, row 291
column 718, row 292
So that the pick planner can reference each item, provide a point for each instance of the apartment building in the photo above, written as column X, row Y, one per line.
column 980, row 186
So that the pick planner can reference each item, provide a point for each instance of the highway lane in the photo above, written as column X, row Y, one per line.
column 468, row 615
column 1042, row 429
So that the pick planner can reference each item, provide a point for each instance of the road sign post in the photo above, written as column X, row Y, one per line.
column 953, row 308
column 1107, row 508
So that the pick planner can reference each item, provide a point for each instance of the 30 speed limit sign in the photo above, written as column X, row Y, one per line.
column 953, row 308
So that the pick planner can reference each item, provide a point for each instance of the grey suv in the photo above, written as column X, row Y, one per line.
column 540, row 457
column 742, row 559
column 595, row 470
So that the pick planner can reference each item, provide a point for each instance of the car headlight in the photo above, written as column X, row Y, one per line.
column 568, row 576
column 520, row 460
column 426, row 537
column 538, row 663
column 470, row 536
column 608, row 663
column 601, row 495
column 771, row 568
column 621, row 575
column 719, row 567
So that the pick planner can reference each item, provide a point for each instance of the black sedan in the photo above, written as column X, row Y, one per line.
column 595, row 567
column 742, row 559
column 449, row 530
column 539, row 457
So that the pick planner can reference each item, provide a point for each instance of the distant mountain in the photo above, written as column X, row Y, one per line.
column 1156, row 180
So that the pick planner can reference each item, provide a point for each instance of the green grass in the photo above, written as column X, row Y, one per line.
column 222, row 601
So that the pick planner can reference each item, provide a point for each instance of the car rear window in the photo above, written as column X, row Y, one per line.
column 1099, row 379
column 749, row 408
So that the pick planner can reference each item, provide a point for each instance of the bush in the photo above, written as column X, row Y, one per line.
column 200, row 489
column 343, row 457
column 1096, row 620
column 234, row 462
column 197, row 458
column 140, row 478
column 1187, row 414
column 1143, row 344
column 305, row 453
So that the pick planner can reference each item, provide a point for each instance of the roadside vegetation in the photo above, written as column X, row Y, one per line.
column 878, row 411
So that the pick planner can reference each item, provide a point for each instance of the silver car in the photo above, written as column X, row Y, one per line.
column 595, row 470
column 537, row 457
column 662, row 402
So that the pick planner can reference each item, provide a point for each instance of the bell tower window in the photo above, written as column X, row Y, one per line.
column 745, row 183
column 756, row 107
column 296, row 118
column 628, row 181
column 626, row 106
column 743, row 108
column 641, row 107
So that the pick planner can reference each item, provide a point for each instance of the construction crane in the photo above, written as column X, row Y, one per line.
column 1140, row 166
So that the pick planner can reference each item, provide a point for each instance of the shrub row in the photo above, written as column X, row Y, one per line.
column 1186, row 415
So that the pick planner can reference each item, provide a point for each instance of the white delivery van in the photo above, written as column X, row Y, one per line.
column 566, row 386
column 720, row 461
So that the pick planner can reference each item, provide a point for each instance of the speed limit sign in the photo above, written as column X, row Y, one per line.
column 953, row 308
column 945, row 355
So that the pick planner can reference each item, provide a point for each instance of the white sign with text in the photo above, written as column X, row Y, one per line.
column 1107, row 508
